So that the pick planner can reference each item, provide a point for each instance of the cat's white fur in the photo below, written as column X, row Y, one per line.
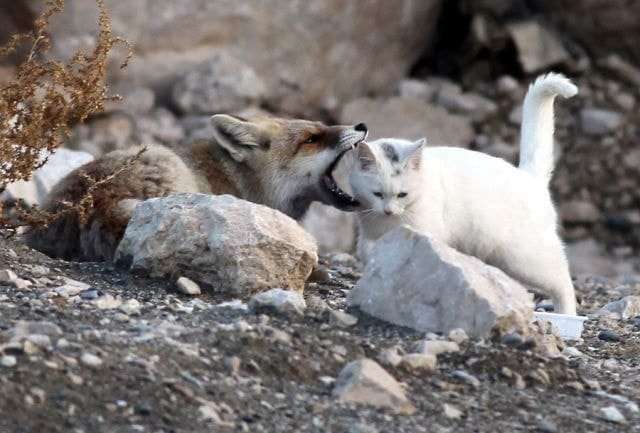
column 478, row 204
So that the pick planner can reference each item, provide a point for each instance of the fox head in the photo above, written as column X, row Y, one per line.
column 289, row 161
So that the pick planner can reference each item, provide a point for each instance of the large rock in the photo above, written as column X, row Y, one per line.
column 222, row 242
column 416, row 281
column 365, row 382
column 538, row 47
column 222, row 84
column 409, row 118
column 307, row 51
column 603, row 26
column 35, row 190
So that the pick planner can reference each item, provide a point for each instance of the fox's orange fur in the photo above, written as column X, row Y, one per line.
column 276, row 162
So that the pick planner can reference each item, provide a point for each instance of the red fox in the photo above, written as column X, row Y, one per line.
column 285, row 164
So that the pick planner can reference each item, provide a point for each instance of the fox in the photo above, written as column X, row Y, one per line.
column 285, row 164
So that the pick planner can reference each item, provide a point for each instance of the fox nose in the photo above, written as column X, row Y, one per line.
column 361, row 127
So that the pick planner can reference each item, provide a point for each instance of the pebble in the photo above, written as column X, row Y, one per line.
column 90, row 360
column 188, row 287
column 466, row 377
column 451, row 411
column 419, row 361
column 7, row 276
column 390, row 356
column 599, row 122
column 131, row 307
column 435, row 347
column 341, row 319
column 279, row 301
column 90, row 294
column 458, row 335
column 547, row 426
column 8, row 361
column 608, row 335
column 612, row 414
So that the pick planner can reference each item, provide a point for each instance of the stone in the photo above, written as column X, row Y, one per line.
column 365, row 382
column 58, row 165
column 302, row 63
column 222, row 242
column 458, row 335
column 222, row 84
column 598, row 122
column 71, row 288
column 411, row 119
column 341, row 319
column 587, row 257
column 7, row 276
column 623, row 69
column 437, row 347
column 279, row 301
column 538, row 47
column 546, row 425
column 107, row 302
column 136, row 100
column 451, row 411
column 104, row 133
column 22, row 329
column 476, row 106
column 131, row 307
column 90, row 360
column 390, row 356
column 612, row 414
column 161, row 126
column 8, row 361
column 609, row 335
column 579, row 212
column 419, row 282
column 467, row 378
column 419, row 362
column 188, row 287
column 507, row 85
column 625, row 308
column 416, row 89
column 333, row 229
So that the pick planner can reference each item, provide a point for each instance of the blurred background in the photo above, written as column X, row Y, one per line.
column 454, row 71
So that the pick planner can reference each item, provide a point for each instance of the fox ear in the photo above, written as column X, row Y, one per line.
column 413, row 153
column 236, row 136
column 366, row 157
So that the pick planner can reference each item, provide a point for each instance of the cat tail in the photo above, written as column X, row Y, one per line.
column 536, row 134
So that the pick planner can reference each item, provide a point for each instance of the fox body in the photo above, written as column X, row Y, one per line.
column 478, row 204
column 285, row 164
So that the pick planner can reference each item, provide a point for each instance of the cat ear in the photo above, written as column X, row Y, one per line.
column 366, row 157
column 413, row 153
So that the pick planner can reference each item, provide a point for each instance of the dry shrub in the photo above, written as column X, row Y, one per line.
column 47, row 97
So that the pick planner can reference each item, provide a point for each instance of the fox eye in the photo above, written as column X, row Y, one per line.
column 312, row 139
column 378, row 194
column 402, row 195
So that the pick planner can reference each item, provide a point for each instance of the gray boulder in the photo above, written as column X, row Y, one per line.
column 222, row 84
column 222, row 242
column 419, row 282
column 411, row 119
column 306, row 51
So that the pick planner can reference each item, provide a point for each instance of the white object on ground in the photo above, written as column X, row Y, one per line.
column 569, row 327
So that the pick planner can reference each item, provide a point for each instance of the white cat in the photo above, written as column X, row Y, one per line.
column 478, row 204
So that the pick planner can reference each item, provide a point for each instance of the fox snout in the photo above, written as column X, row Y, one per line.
column 350, row 136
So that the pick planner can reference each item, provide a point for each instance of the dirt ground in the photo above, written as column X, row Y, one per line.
column 176, row 363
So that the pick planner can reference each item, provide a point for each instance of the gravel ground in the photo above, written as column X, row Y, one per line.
column 176, row 363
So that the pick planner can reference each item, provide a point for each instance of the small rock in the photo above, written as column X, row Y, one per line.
column 512, row 339
column 417, row 89
column 344, row 259
column 131, row 307
column 572, row 352
column 419, row 361
column 624, row 308
column 278, row 300
column 90, row 294
column 545, row 425
column 599, row 122
column 365, row 382
column 458, row 335
column 90, row 360
column 435, row 347
column 232, row 363
column 7, row 276
column 71, row 288
column 390, row 356
column 507, row 85
column 538, row 47
column 188, row 287
column 107, row 302
column 609, row 335
column 451, row 411
column 612, row 414
column 316, row 303
column 579, row 212
column 467, row 378
column 8, row 361
column 341, row 319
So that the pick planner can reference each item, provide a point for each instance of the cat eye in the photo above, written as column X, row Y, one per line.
column 402, row 195
column 378, row 194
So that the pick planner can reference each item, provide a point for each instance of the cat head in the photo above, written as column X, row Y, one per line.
column 385, row 177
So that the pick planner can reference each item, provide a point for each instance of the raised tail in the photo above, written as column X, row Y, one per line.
column 536, row 133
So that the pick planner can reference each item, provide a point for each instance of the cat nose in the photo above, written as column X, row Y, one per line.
column 388, row 211
column 361, row 127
